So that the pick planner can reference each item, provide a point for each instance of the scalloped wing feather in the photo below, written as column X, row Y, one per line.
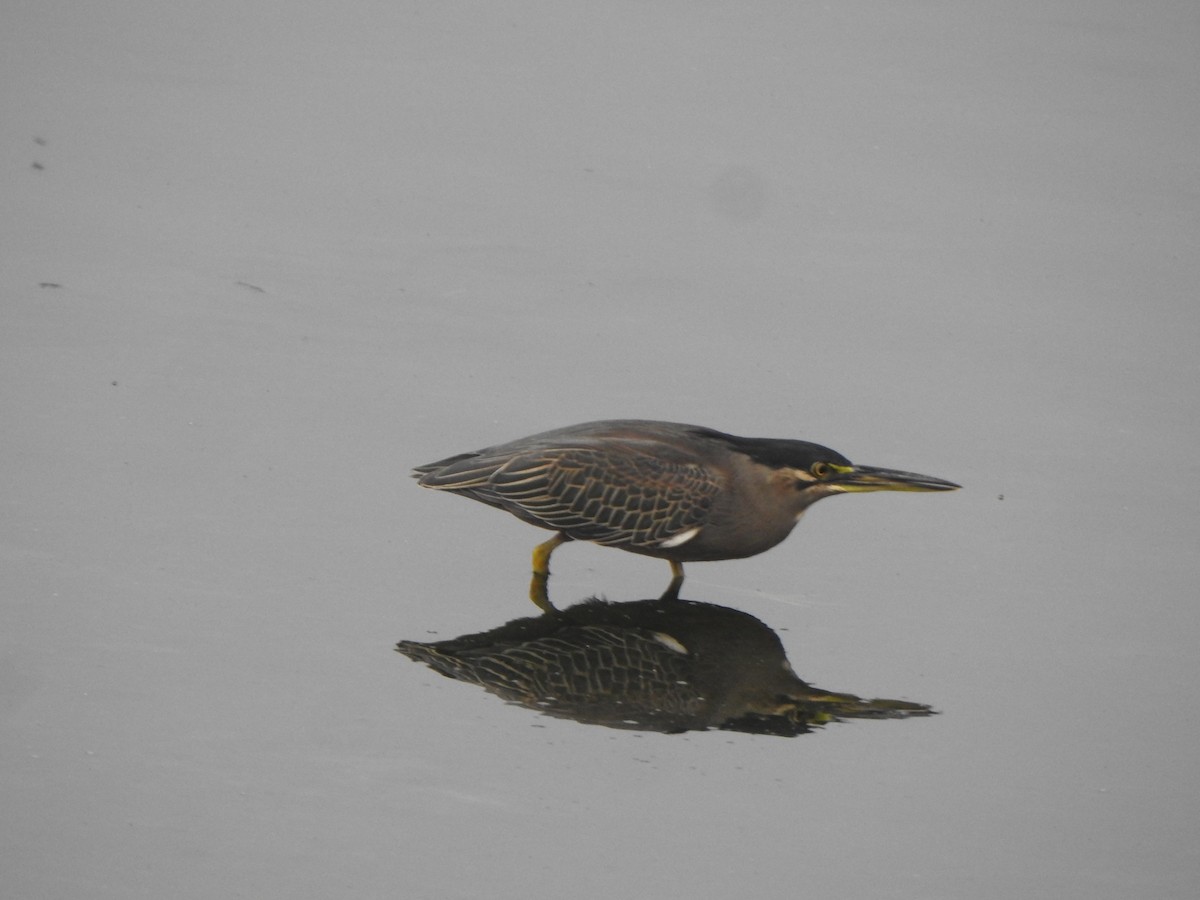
column 627, row 498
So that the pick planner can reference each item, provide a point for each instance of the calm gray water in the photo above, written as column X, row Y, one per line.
column 257, row 264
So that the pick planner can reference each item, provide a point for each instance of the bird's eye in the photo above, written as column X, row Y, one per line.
column 820, row 469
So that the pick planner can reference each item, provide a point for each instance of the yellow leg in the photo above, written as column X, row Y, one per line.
column 672, row 591
column 538, row 588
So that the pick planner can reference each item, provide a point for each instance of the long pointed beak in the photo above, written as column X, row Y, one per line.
column 868, row 478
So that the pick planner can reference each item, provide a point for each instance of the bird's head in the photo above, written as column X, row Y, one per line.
column 818, row 471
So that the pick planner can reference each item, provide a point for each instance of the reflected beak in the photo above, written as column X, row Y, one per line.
column 858, row 479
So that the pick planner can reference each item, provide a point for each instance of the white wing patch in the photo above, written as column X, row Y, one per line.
column 680, row 539
column 670, row 643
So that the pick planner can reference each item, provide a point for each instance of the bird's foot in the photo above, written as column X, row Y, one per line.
column 672, row 591
column 539, row 592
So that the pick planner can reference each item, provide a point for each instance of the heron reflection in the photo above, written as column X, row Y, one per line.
column 651, row 665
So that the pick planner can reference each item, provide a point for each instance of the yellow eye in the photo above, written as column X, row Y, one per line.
column 820, row 469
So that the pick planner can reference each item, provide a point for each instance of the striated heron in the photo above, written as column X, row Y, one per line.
column 682, row 493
